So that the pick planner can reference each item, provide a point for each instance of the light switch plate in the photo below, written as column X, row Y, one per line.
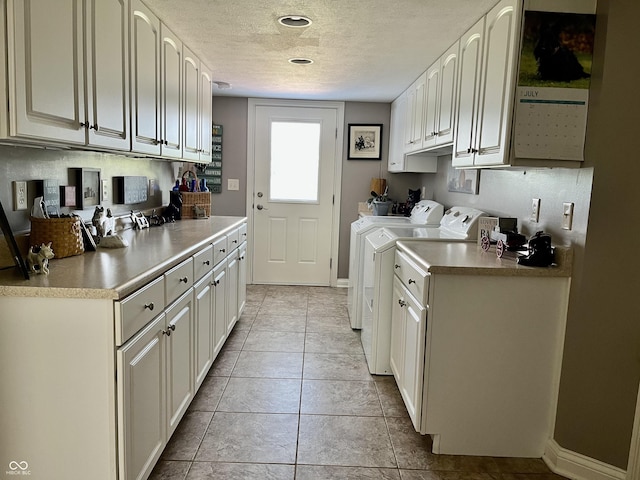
column 233, row 184
column 567, row 215
column 535, row 210
column 105, row 190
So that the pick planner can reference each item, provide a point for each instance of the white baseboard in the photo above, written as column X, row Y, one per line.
column 342, row 283
column 577, row 466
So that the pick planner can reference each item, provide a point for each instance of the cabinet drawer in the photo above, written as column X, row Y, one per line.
column 219, row 250
column 233, row 239
column 413, row 277
column 138, row 309
column 178, row 280
column 202, row 262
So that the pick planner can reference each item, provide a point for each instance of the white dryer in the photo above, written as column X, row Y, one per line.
column 426, row 213
column 459, row 224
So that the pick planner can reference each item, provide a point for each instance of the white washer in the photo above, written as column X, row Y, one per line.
column 425, row 213
column 459, row 224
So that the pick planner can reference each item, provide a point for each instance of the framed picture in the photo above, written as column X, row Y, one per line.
column 463, row 181
column 87, row 182
column 365, row 142
column 11, row 243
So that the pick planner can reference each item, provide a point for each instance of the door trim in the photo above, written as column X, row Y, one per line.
column 335, row 223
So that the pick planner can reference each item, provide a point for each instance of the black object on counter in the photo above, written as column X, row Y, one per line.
column 540, row 251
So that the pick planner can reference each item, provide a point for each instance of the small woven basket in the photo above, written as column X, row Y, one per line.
column 192, row 199
column 65, row 235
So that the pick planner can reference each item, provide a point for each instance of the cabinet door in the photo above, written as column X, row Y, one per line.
column 145, row 80
column 468, row 92
column 242, row 277
column 415, row 111
column 396, row 135
column 219, row 306
column 206, row 104
column 232, row 291
column 171, row 88
column 431, row 105
column 398, row 314
column 46, row 81
column 415, row 328
column 191, row 128
column 445, row 115
column 497, row 84
column 107, row 50
column 142, row 423
column 203, row 355
column 180, row 369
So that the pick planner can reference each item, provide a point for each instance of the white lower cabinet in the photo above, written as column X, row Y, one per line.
column 407, row 358
column 204, row 327
column 142, row 422
column 219, row 306
column 180, row 354
column 160, row 368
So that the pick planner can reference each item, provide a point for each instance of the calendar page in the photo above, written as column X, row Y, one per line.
column 553, row 85
column 551, row 123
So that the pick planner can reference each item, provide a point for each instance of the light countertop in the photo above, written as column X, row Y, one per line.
column 465, row 258
column 113, row 273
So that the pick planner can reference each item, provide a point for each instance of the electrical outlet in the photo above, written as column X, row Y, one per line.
column 105, row 190
column 567, row 215
column 20, row 195
column 535, row 210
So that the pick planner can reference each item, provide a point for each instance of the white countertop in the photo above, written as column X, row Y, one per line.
column 113, row 273
column 464, row 258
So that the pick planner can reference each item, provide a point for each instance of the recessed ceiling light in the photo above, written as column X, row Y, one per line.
column 295, row 21
column 221, row 85
column 301, row 61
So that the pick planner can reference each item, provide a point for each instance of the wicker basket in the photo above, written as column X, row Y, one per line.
column 192, row 199
column 65, row 235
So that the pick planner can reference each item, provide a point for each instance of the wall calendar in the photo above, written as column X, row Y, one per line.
column 553, row 85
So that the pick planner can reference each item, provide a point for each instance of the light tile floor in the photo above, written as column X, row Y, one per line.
column 290, row 397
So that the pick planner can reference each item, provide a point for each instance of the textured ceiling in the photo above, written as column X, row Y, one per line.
column 365, row 50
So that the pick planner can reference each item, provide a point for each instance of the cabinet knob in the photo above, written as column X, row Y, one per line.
column 184, row 279
column 402, row 303
column 411, row 281
column 166, row 332
column 222, row 250
column 84, row 124
column 241, row 258
column 207, row 262
column 93, row 127
column 396, row 266
column 468, row 150
column 172, row 327
column 216, row 283
column 234, row 241
column 150, row 306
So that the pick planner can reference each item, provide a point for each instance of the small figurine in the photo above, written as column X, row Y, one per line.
column 38, row 258
column 104, row 222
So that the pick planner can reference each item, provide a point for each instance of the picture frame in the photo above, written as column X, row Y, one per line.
column 365, row 141
column 463, row 180
column 88, row 187
column 11, row 243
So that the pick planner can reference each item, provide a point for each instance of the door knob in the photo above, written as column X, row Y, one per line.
column 260, row 207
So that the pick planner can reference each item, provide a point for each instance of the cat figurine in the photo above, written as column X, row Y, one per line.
column 412, row 199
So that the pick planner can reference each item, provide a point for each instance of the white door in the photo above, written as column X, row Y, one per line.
column 295, row 157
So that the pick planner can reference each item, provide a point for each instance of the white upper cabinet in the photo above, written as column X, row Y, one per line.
column 486, row 82
column 107, row 67
column 431, row 105
column 468, row 91
column 396, row 133
column 46, row 70
column 447, row 97
column 171, row 90
column 191, row 106
column 206, row 113
column 145, row 80
column 415, row 114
